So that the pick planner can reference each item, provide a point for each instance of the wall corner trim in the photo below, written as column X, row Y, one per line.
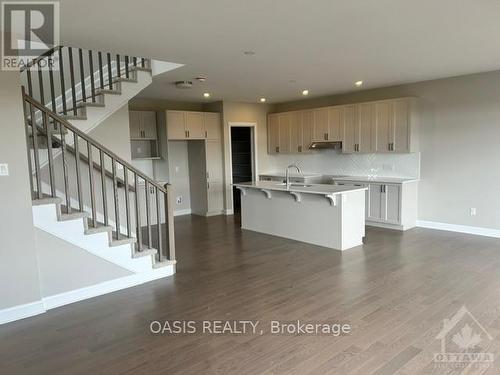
column 21, row 311
column 479, row 231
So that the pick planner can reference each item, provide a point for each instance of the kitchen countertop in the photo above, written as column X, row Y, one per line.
column 322, row 189
column 390, row 180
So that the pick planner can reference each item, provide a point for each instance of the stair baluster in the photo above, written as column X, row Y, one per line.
column 82, row 75
column 92, row 82
column 72, row 79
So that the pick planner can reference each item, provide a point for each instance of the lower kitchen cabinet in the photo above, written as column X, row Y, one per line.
column 389, row 205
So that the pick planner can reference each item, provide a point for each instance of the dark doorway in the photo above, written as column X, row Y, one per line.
column 241, row 154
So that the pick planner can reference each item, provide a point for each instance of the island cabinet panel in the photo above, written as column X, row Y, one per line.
column 284, row 132
column 273, row 134
column 320, row 127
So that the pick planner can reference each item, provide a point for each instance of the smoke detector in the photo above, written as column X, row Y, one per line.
column 183, row 84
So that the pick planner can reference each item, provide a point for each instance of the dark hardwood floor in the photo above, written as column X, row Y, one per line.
column 395, row 291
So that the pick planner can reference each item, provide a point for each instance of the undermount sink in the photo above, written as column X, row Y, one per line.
column 294, row 185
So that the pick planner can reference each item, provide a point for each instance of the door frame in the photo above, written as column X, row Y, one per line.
column 255, row 163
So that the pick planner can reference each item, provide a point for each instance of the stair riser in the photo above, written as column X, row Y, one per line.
column 73, row 231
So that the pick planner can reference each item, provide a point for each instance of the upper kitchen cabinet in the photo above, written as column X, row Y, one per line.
column 285, row 120
column 349, row 124
column 185, row 125
column 176, row 125
column 194, row 125
column 213, row 126
column 396, row 125
column 273, row 134
column 320, row 124
column 379, row 126
column 142, row 125
column 300, row 131
column 358, row 127
column 365, row 129
column 326, row 124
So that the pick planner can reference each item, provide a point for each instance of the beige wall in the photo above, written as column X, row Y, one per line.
column 244, row 112
column 460, row 156
column 65, row 267
column 19, row 283
column 114, row 133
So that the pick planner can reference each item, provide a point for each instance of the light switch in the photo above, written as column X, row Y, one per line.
column 176, row 169
column 4, row 169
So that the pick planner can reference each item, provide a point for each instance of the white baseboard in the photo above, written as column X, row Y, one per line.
column 479, row 231
column 21, row 311
column 106, row 287
column 47, row 303
column 186, row 211
column 229, row 212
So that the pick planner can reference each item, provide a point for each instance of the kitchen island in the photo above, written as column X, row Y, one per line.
column 325, row 215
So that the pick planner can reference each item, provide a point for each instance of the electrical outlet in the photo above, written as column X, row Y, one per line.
column 473, row 211
column 176, row 169
column 4, row 169
column 178, row 200
column 139, row 150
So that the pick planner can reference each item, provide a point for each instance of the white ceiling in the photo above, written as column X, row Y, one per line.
column 322, row 45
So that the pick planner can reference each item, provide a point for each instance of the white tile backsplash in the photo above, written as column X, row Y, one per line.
column 332, row 162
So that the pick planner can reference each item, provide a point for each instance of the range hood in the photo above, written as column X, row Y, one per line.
column 337, row 145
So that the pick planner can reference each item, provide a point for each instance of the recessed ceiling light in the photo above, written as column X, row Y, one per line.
column 206, row 94
column 305, row 92
column 358, row 83
column 262, row 100
column 201, row 78
column 249, row 53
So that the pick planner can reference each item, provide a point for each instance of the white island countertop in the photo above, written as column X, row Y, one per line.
column 323, row 189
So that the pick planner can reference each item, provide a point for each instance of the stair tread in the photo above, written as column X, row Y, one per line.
column 46, row 200
column 74, row 215
column 109, row 91
column 164, row 263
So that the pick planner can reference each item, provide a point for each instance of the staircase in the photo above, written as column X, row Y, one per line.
column 83, row 192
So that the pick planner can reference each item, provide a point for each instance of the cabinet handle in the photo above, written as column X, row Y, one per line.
column 300, row 148
column 326, row 136
column 208, row 185
column 206, row 134
column 208, row 175
column 277, row 149
column 185, row 133
column 188, row 134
